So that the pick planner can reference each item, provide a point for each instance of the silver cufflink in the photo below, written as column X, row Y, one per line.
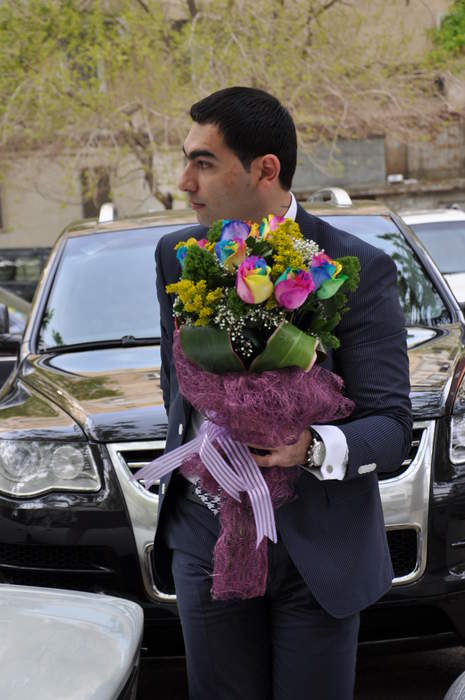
column 367, row 468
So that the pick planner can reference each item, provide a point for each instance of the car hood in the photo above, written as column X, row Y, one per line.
column 435, row 355
column 113, row 394
column 66, row 644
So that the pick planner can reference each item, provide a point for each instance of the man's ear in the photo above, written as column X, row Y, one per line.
column 267, row 168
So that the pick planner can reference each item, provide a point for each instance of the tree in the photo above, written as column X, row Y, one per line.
column 89, row 76
column 117, row 77
column 449, row 38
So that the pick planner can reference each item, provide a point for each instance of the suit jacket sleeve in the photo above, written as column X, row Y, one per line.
column 373, row 362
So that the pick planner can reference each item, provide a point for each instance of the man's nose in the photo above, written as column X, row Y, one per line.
column 187, row 182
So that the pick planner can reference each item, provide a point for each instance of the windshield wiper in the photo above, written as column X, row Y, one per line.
column 124, row 342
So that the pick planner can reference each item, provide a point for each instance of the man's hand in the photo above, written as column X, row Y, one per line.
column 284, row 455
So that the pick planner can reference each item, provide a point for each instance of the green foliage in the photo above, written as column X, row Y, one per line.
column 214, row 232
column 235, row 304
column 351, row 268
column 449, row 39
column 261, row 249
column 201, row 265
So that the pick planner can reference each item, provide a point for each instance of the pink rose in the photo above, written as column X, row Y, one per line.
column 293, row 287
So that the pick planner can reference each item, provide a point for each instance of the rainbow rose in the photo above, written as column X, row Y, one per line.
column 323, row 268
column 233, row 229
column 253, row 283
column 268, row 225
column 293, row 287
column 231, row 253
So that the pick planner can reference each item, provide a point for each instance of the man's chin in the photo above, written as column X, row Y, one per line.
column 203, row 217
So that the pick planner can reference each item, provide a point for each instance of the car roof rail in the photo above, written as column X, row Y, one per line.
column 334, row 195
column 107, row 213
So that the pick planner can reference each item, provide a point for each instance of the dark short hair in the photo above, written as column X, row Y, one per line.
column 252, row 123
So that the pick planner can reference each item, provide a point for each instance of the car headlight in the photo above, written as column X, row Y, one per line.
column 31, row 467
column 457, row 429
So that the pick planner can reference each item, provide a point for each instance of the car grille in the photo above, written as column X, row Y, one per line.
column 417, row 434
column 135, row 459
column 82, row 568
column 404, row 550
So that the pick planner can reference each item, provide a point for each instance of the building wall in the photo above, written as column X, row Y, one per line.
column 410, row 18
column 40, row 196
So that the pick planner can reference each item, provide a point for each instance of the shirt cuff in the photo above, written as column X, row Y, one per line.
column 337, row 453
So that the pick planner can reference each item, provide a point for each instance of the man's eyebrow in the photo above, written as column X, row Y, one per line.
column 198, row 153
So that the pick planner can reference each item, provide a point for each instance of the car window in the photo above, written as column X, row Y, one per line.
column 445, row 242
column 420, row 301
column 104, row 289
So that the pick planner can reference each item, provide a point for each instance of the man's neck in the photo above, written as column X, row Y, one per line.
column 278, row 205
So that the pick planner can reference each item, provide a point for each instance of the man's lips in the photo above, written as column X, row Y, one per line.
column 196, row 205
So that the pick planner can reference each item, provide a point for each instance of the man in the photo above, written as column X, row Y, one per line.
column 331, row 559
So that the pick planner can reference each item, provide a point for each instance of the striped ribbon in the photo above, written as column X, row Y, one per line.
column 242, row 474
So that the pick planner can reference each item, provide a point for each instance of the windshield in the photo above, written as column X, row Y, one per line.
column 419, row 299
column 104, row 289
column 445, row 242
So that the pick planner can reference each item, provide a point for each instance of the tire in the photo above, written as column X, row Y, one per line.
column 457, row 689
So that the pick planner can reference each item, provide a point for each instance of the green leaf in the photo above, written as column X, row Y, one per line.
column 210, row 349
column 329, row 288
column 260, row 248
column 286, row 347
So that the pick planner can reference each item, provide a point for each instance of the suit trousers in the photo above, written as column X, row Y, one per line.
column 282, row 646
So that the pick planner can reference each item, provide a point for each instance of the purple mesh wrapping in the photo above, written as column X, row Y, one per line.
column 269, row 409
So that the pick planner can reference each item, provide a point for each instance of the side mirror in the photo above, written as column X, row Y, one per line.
column 4, row 320
column 10, row 343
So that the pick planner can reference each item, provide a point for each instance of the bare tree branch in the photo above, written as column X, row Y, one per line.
column 192, row 8
column 143, row 5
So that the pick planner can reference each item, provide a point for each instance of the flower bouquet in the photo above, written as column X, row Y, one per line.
column 255, row 306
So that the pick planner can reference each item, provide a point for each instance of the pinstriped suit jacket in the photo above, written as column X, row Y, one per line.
column 334, row 530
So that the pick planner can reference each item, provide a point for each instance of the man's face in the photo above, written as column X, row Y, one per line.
column 216, row 183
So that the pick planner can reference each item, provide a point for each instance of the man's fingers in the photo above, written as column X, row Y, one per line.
column 263, row 460
column 258, row 450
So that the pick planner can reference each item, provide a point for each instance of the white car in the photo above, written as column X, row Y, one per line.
column 68, row 645
column 442, row 232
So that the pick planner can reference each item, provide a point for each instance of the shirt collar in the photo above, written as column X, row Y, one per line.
column 292, row 211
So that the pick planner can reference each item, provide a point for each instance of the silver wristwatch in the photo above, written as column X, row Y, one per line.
column 316, row 451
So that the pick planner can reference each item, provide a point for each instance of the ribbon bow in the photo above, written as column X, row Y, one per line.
column 242, row 474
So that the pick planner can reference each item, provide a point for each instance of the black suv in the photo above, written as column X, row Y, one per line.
column 83, row 411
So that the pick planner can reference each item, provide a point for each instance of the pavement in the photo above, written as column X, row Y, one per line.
column 425, row 675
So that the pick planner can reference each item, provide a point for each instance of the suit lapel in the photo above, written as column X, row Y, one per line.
column 309, row 225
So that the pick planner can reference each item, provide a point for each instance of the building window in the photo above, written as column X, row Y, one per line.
column 95, row 190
